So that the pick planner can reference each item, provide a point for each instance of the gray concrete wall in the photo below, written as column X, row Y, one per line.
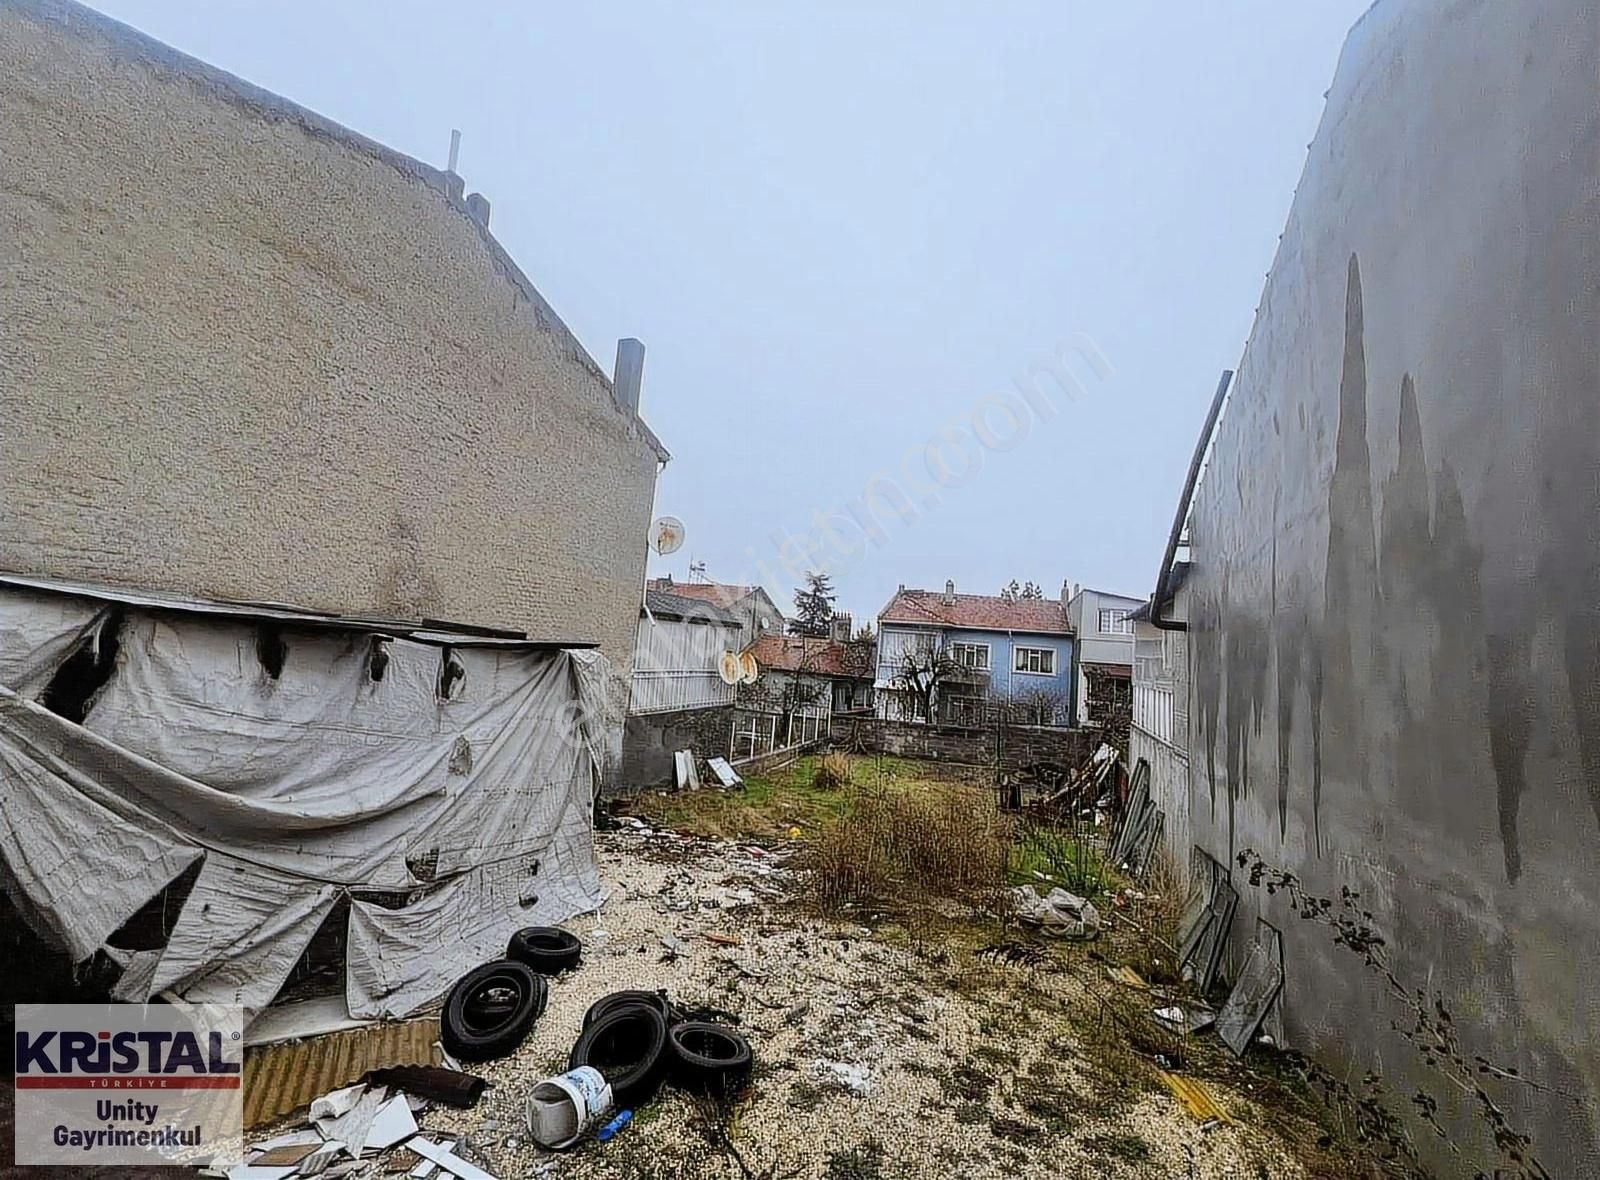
column 650, row 740
column 1013, row 746
column 247, row 353
column 1396, row 644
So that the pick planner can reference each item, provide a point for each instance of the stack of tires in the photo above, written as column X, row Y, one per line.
column 639, row 1039
column 491, row 1009
column 636, row 1039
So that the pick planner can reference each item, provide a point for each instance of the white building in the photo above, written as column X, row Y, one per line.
column 1160, row 730
column 677, row 697
column 1104, row 649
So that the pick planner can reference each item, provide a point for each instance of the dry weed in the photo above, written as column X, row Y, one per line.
column 899, row 846
column 833, row 772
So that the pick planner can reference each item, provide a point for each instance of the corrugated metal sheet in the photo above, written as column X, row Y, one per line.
column 282, row 1078
column 675, row 667
column 1197, row 1100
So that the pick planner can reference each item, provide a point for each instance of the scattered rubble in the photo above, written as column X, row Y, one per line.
column 870, row 1048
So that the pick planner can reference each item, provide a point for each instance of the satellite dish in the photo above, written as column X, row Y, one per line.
column 666, row 535
column 729, row 667
column 748, row 668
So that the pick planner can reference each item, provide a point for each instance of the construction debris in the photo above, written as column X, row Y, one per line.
column 1188, row 1020
column 1063, row 914
column 686, row 771
column 1200, row 952
column 1196, row 1099
column 1127, row 977
column 286, row 1155
column 1253, row 995
column 433, row 1083
column 282, row 1078
column 447, row 1159
column 1134, row 847
column 1083, row 787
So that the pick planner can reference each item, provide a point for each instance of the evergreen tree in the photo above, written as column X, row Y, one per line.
column 813, row 606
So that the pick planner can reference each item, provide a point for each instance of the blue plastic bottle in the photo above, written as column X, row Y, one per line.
column 615, row 1125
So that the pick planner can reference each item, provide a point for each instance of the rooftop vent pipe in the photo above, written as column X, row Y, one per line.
column 629, row 374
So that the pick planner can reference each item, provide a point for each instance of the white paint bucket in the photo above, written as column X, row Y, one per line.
column 564, row 1108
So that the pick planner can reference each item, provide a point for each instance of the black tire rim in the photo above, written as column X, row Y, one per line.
column 628, row 1045
column 489, row 1004
column 711, row 1044
column 618, row 1001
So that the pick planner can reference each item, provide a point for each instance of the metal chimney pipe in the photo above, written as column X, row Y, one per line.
column 628, row 376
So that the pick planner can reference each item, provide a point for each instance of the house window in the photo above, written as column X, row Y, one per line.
column 1040, row 661
column 971, row 655
column 1115, row 622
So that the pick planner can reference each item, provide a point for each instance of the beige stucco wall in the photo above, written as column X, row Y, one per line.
column 245, row 353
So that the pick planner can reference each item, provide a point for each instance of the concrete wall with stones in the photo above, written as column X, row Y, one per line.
column 1015, row 746
column 1396, row 590
column 249, row 354
column 650, row 739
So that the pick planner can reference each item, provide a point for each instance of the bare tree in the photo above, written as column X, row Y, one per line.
column 790, row 692
column 920, row 674
column 1032, row 705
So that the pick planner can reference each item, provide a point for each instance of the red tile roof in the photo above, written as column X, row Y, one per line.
column 977, row 612
column 716, row 592
column 825, row 657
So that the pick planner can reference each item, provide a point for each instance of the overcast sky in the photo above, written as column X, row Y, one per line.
column 845, row 231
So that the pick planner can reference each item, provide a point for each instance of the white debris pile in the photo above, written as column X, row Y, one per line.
column 373, row 1118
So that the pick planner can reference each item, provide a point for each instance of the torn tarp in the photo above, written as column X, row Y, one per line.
column 38, row 631
column 451, row 810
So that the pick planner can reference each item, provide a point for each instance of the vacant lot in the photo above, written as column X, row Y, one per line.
column 916, row 1037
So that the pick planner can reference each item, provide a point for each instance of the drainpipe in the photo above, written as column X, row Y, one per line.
column 1161, row 599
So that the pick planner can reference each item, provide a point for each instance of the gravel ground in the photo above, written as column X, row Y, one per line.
column 875, row 1058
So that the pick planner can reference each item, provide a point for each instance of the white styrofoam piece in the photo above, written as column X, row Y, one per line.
column 427, row 1167
column 335, row 1103
column 394, row 1124
column 453, row 1164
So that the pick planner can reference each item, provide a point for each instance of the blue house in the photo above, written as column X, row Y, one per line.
column 940, row 656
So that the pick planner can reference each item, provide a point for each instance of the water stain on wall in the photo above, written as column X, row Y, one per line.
column 1350, row 581
column 1402, row 629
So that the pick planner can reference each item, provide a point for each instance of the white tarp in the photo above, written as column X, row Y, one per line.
column 447, row 822
column 38, row 631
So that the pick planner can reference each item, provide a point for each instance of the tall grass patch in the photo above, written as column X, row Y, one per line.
column 895, row 846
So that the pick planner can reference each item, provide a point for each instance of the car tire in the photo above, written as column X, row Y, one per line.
column 624, row 999
column 628, row 1045
column 547, row 950
column 709, row 1058
column 490, row 1010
